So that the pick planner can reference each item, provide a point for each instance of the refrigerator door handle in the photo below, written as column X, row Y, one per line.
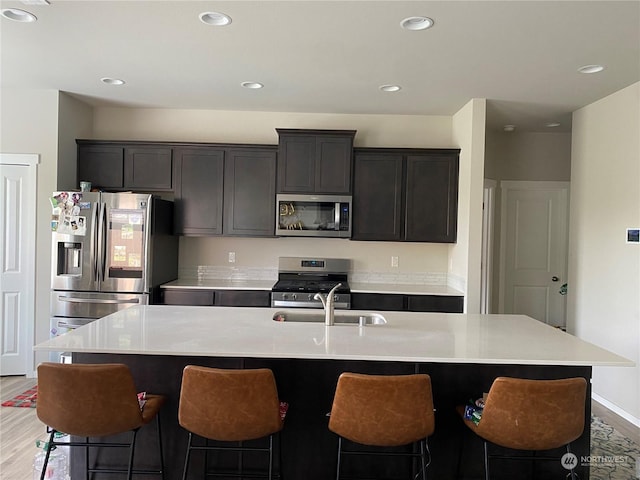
column 102, row 251
column 96, row 238
column 98, row 300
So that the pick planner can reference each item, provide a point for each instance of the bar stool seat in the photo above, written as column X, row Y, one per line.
column 383, row 411
column 95, row 400
column 229, row 406
column 531, row 415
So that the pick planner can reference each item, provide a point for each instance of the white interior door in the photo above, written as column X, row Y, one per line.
column 17, row 251
column 486, row 266
column 534, row 244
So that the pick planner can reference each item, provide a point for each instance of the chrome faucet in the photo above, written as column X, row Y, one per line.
column 327, row 304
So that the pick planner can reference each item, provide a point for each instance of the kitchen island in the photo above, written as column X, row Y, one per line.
column 462, row 353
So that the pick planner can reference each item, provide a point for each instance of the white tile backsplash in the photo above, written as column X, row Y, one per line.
column 214, row 272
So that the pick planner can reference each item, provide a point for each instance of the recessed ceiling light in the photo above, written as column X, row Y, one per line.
column 112, row 81
column 509, row 128
column 416, row 23
column 18, row 15
column 252, row 85
column 552, row 124
column 390, row 88
column 591, row 69
column 215, row 18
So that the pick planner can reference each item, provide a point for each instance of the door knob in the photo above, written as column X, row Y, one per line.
column 554, row 279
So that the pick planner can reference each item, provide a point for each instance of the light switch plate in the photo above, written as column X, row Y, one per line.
column 633, row 235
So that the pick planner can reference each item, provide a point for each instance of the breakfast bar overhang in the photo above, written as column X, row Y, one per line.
column 462, row 353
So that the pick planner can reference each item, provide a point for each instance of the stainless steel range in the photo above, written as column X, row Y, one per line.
column 300, row 278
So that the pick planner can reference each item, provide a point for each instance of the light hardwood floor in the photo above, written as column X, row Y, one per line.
column 20, row 428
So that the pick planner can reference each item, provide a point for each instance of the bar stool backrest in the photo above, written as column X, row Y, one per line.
column 229, row 405
column 528, row 414
column 87, row 400
column 383, row 410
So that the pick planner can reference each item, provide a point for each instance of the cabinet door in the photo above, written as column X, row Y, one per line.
column 431, row 210
column 102, row 165
column 377, row 197
column 333, row 164
column 296, row 163
column 250, row 192
column 199, row 191
column 148, row 168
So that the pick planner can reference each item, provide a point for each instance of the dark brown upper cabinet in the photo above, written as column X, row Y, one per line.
column 225, row 191
column 199, row 191
column 405, row 195
column 315, row 161
column 112, row 166
column 249, row 192
column 377, row 197
column 148, row 168
column 102, row 165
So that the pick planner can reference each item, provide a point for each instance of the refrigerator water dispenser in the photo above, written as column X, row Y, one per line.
column 69, row 258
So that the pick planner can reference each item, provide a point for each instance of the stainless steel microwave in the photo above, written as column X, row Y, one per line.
column 313, row 215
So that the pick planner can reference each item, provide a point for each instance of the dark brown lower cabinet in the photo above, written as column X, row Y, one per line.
column 219, row 298
column 407, row 303
column 181, row 296
column 243, row 298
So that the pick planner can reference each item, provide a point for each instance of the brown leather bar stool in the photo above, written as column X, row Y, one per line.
column 229, row 406
column 94, row 400
column 383, row 411
column 532, row 415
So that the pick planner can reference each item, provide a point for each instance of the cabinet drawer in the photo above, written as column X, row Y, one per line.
column 188, row 297
column 243, row 298
column 377, row 301
column 435, row 303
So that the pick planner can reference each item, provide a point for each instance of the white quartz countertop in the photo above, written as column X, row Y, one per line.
column 407, row 337
column 243, row 284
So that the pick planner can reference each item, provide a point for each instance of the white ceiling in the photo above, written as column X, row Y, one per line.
column 330, row 56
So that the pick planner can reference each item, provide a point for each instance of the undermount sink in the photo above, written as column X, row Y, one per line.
column 339, row 318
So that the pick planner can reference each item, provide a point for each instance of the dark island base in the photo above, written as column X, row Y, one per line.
column 309, row 448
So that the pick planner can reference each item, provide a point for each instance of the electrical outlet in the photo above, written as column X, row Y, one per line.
column 232, row 257
column 394, row 261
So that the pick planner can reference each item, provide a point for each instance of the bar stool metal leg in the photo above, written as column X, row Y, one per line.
column 160, row 447
column 486, row 461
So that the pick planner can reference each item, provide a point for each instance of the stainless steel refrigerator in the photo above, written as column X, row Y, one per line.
column 109, row 251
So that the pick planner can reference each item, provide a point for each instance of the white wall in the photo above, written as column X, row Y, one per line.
column 259, row 127
column 465, row 255
column 530, row 156
column 604, row 271
column 522, row 156
column 30, row 125
column 76, row 121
